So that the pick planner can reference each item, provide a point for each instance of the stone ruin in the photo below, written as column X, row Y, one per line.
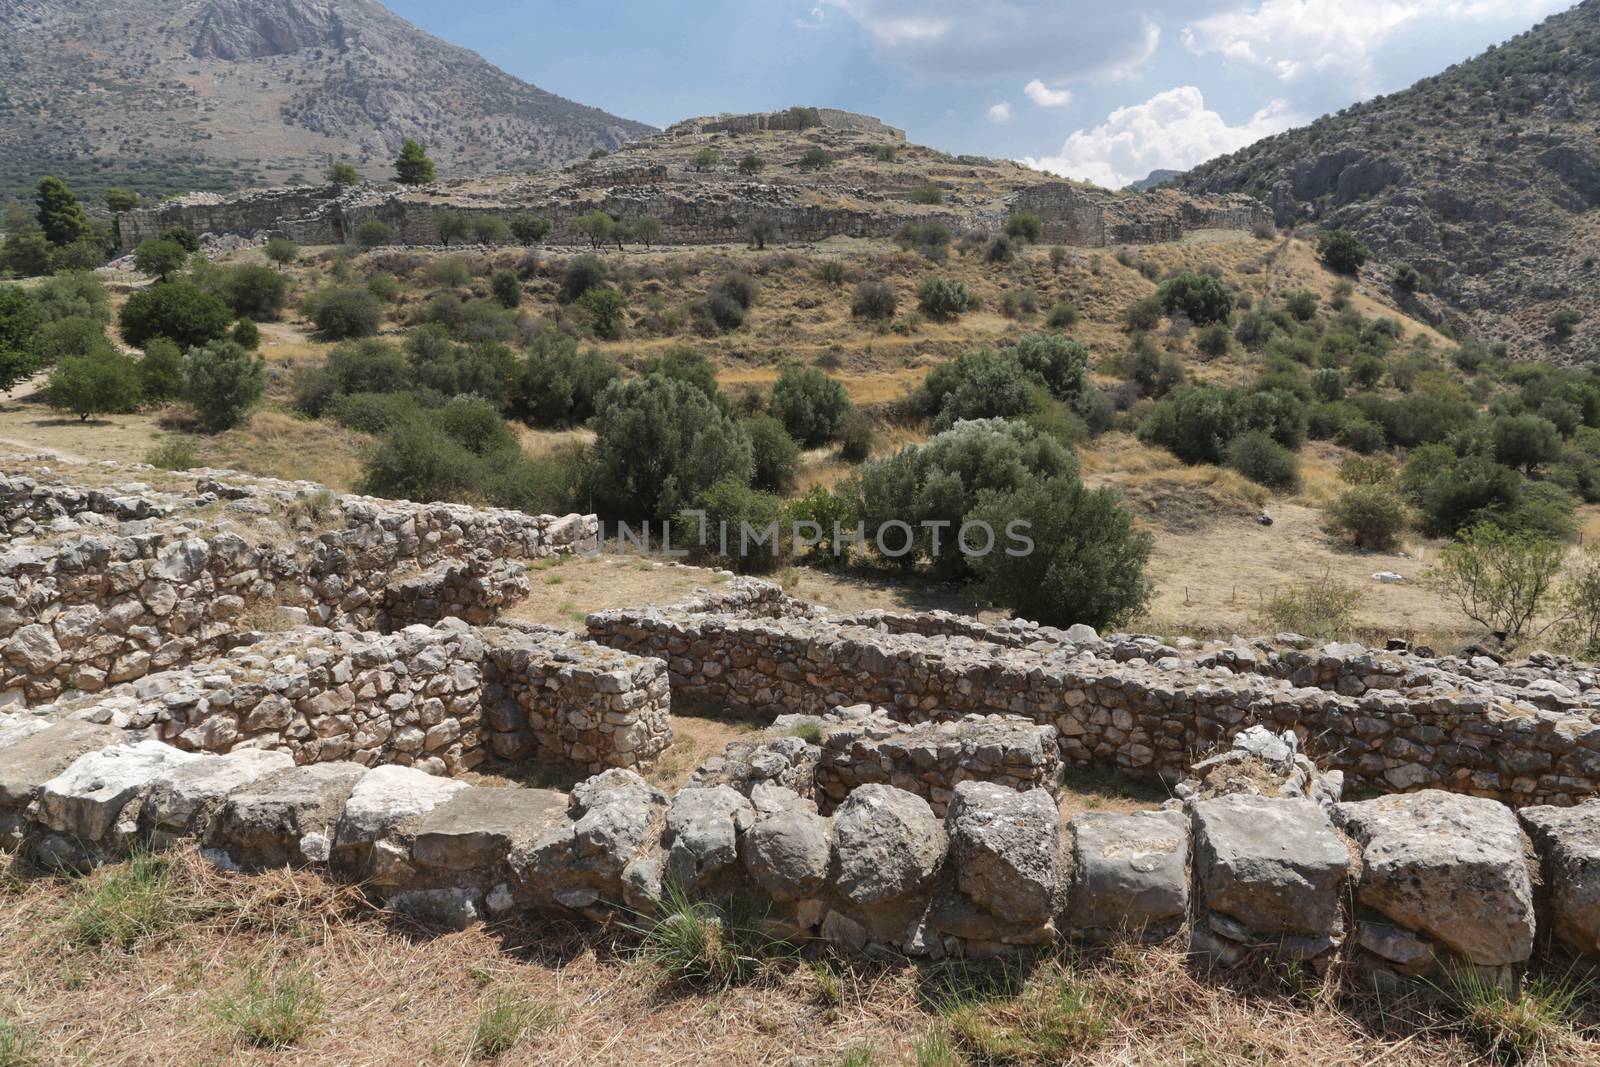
column 278, row 675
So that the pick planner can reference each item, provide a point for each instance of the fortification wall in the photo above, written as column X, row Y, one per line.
column 1388, row 721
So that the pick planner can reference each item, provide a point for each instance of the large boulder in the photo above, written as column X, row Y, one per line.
column 286, row 817
column 1568, row 843
column 1130, row 872
column 703, row 831
column 1448, row 866
column 34, row 760
column 888, row 844
column 788, row 854
column 1274, row 865
column 599, row 850
column 388, row 798
column 85, row 800
column 183, row 798
column 1004, row 844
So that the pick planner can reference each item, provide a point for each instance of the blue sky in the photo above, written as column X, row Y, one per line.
column 1104, row 91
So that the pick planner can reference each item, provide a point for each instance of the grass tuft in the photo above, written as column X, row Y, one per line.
column 1050, row 1020
column 273, row 1014
column 1533, row 1026
column 808, row 730
column 16, row 1047
column 706, row 945
column 122, row 906
column 503, row 1020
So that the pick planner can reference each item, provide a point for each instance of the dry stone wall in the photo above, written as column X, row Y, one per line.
column 1387, row 721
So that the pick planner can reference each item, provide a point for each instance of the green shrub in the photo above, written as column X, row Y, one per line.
column 345, row 313
column 1322, row 609
column 178, row 311
column 944, row 298
column 829, row 272
column 1025, row 227
column 659, row 444
column 1204, row 299
column 775, row 456
column 1063, row 316
column 1053, row 361
column 74, row 336
column 855, row 436
column 75, row 295
column 931, row 239
column 1143, row 315
column 1302, row 305
column 1328, row 383
column 476, row 424
column 375, row 413
column 688, row 366
column 222, row 381
column 1342, row 251
column 978, row 385
column 160, row 371
column 607, row 310
column 527, row 229
column 1371, row 516
column 419, row 461
column 1213, row 341
column 250, row 289
column 184, row 236
column 1498, row 579
column 559, row 387
column 173, row 454
column 281, row 251
column 1261, row 459
column 814, row 159
column 1019, row 304
column 751, row 165
column 246, row 334
column 809, row 404
column 1086, row 562
column 104, row 382
column 873, row 300
column 489, row 229
column 581, row 274
column 1564, row 322
column 374, row 233
column 999, row 250
column 927, row 194
column 159, row 259
column 743, row 529
column 449, row 271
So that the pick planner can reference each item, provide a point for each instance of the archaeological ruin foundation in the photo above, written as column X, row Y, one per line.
column 276, row 674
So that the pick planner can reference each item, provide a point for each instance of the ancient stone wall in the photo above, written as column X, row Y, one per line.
column 1387, row 720
column 102, row 586
column 308, row 214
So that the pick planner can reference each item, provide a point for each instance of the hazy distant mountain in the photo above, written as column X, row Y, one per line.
column 219, row 94
column 1153, row 179
column 1486, row 178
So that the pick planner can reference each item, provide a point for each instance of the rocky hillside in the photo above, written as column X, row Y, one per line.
column 224, row 94
column 1486, row 178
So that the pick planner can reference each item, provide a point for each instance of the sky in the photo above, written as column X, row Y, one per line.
column 1104, row 90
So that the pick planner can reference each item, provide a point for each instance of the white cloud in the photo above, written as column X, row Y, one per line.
column 1299, row 40
column 1044, row 96
column 1061, row 40
column 1000, row 113
column 1172, row 130
column 816, row 20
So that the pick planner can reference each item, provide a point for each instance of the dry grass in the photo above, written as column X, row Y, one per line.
column 347, row 985
column 276, row 444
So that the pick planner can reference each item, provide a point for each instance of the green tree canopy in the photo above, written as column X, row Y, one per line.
column 413, row 167
column 61, row 216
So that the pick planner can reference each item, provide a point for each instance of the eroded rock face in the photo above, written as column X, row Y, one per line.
column 1276, row 866
column 887, row 843
column 476, row 828
column 1004, row 844
column 1130, row 872
column 286, row 817
column 1449, row 867
column 788, row 854
column 1568, row 843
column 185, row 796
column 85, row 800
column 704, row 828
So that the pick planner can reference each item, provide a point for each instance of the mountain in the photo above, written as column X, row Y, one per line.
column 223, row 94
column 1485, row 178
column 1153, row 179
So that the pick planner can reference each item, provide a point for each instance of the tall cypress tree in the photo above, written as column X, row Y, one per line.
column 413, row 167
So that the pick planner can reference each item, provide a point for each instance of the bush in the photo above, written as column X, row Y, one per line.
column 725, row 304
column 977, row 385
column 1261, row 459
column 375, row 233
column 487, row 368
column 1213, row 341
column 178, row 311
column 375, row 413
column 528, row 230
column 774, row 454
column 829, row 272
column 251, row 290
column 944, row 298
column 160, row 259
column 607, row 310
column 345, row 313
column 1328, row 383
column 1054, row 362
column 174, row 454
column 184, row 236
column 1525, row 441
column 1342, row 251
column 1202, row 298
column 476, row 424
column 489, row 229
column 1463, row 493
column 1086, row 562
column 1063, row 316
column 246, row 334
column 855, row 436
column 103, row 382
column 688, row 366
column 1195, row 424
column 581, row 274
column 559, row 387
column 659, row 444
column 281, row 251
column 748, row 522
column 419, row 461
column 1301, row 305
column 1019, row 304
column 161, row 371
column 1143, row 315
column 999, row 250
column 1322, row 609
column 1025, row 227
column 1371, row 516
column 1499, row 580
column 452, row 226
column 809, row 404
column 1563, row 323
column 751, row 165
column 873, row 300
column 1409, row 279
column 932, row 239
column 506, row 288
column 927, row 194
column 814, row 159
column 222, row 381
column 79, row 294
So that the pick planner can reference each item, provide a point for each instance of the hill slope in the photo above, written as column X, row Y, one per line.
column 1486, row 178
column 223, row 94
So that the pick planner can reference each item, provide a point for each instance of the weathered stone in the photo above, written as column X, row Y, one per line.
column 1275, row 865
column 887, row 842
column 28, row 764
column 84, row 800
column 703, row 830
column 385, row 798
column 1130, row 872
column 1568, row 843
column 451, row 908
column 183, row 798
column 475, row 828
column 788, row 854
column 1004, row 844
column 267, row 823
column 1448, row 866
